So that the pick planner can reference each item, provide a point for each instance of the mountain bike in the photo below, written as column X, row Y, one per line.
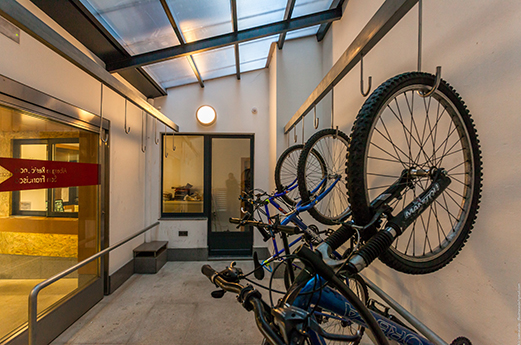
column 414, row 164
column 294, row 319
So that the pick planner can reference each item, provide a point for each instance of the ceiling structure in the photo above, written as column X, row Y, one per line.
column 159, row 44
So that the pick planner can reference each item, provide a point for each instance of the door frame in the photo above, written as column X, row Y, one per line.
column 243, row 239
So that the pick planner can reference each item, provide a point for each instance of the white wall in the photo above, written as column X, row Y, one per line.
column 478, row 45
column 35, row 65
column 233, row 101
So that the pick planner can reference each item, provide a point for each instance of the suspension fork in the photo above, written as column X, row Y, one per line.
column 395, row 226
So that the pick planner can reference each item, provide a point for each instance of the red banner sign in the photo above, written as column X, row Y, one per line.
column 23, row 174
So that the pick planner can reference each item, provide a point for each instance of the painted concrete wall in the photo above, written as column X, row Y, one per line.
column 35, row 65
column 477, row 44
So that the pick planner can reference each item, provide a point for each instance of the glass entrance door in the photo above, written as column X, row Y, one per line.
column 48, row 220
column 231, row 174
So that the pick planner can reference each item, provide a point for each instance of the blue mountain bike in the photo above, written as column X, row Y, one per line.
column 414, row 182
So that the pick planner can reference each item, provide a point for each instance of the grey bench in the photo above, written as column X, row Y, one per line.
column 150, row 257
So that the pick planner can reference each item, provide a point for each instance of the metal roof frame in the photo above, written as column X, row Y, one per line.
column 287, row 15
column 182, row 40
column 225, row 40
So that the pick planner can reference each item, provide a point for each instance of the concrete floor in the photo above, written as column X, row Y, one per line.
column 173, row 306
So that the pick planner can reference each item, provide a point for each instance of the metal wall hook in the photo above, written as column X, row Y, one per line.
column 315, row 119
column 303, row 120
column 420, row 37
column 436, row 84
column 145, row 127
column 420, row 27
column 101, row 120
column 362, row 78
column 127, row 130
column 295, row 133
column 164, row 144
column 156, row 140
column 333, row 113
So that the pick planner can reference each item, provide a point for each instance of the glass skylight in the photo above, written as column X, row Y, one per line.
column 200, row 19
column 216, row 63
column 139, row 26
column 253, row 13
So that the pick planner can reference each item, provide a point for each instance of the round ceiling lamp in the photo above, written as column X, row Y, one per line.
column 206, row 115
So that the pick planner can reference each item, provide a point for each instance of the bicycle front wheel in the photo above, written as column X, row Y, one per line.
column 286, row 173
column 399, row 129
column 331, row 145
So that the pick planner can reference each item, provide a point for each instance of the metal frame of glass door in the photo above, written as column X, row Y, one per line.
column 61, row 315
column 213, row 237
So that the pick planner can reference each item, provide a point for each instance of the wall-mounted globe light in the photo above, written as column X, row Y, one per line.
column 206, row 115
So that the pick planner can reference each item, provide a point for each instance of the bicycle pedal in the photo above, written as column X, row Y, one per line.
column 259, row 270
column 218, row 293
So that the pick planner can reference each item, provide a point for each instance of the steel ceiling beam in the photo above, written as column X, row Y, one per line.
column 235, row 25
column 225, row 40
column 390, row 13
column 182, row 40
column 322, row 30
column 287, row 15
column 32, row 25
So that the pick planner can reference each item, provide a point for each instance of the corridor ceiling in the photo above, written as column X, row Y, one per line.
column 159, row 44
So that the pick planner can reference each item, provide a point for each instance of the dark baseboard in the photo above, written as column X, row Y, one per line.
column 120, row 276
column 187, row 254
column 201, row 254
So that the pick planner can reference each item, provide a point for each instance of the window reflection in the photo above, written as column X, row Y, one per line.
column 183, row 170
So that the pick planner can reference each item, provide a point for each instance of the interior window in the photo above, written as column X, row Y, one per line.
column 53, row 202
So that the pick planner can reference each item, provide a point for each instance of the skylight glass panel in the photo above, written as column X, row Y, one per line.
column 256, row 49
column 172, row 73
column 253, row 13
column 216, row 63
column 305, row 7
column 302, row 32
column 254, row 65
column 200, row 19
column 139, row 26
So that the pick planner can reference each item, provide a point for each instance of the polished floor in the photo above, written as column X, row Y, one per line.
column 13, row 299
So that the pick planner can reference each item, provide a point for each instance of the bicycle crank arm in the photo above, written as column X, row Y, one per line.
column 383, row 239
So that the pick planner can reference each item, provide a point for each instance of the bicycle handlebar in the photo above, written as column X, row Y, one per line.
column 251, row 300
column 290, row 230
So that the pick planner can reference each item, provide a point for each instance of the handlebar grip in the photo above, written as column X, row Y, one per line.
column 378, row 244
column 235, row 220
column 208, row 271
column 339, row 237
column 291, row 230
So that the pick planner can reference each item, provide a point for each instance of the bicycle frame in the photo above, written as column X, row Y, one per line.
column 334, row 302
column 292, row 216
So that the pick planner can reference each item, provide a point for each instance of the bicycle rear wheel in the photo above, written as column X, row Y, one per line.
column 398, row 129
column 332, row 147
column 338, row 325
